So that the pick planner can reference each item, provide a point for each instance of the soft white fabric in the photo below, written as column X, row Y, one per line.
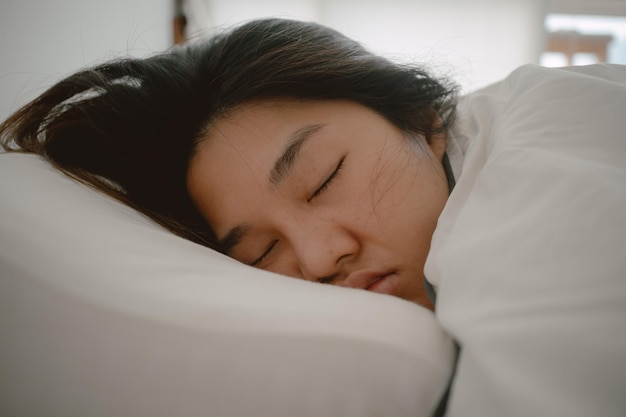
column 529, row 255
column 104, row 313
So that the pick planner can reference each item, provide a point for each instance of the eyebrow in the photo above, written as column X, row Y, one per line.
column 286, row 160
column 233, row 237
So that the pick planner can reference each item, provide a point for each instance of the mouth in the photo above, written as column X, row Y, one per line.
column 385, row 284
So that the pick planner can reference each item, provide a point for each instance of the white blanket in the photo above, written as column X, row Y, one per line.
column 529, row 256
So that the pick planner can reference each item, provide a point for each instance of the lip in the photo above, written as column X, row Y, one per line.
column 381, row 281
column 385, row 284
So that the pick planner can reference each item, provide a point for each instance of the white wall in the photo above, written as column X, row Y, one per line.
column 476, row 41
column 43, row 40
column 479, row 41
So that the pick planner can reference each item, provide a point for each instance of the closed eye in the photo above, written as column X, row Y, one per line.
column 328, row 181
column 265, row 254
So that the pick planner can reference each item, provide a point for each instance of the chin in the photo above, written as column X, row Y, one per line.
column 419, row 296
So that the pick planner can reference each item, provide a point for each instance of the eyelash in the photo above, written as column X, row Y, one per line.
column 262, row 257
column 328, row 181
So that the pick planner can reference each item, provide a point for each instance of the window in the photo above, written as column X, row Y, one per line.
column 584, row 39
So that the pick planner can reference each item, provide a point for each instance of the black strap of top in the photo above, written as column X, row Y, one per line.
column 442, row 406
column 447, row 167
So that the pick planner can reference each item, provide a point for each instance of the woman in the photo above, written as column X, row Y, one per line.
column 291, row 148
column 282, row 144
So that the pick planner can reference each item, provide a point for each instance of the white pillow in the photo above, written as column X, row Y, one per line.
column 104, row 313
column 529, row 256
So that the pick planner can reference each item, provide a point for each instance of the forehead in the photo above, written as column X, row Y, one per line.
column 266, row 123
column 254, row 134
column 249, row 137
column 256, row 129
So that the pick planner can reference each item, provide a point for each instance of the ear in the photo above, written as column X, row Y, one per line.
column 437, row 141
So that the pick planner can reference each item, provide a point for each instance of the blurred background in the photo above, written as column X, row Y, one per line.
column 477, row 42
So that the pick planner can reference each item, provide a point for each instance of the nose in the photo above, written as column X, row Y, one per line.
column 323, row 250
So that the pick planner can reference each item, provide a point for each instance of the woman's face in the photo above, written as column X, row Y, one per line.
column 326, row 191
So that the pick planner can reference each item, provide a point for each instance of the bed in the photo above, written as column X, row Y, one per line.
column 104, row 313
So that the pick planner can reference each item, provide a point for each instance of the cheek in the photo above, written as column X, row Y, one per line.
column 406, row 196
column 374, row 195
column 392, row 186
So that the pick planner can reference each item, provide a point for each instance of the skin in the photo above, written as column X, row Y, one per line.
column 357, row 205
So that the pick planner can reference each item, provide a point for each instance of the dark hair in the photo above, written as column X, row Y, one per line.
column 129, row 127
